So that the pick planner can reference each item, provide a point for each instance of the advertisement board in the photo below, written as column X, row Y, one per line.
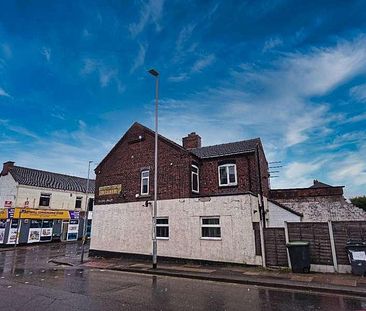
column 73, row 229
column 46, row 231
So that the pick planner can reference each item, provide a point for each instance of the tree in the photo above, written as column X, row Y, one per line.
column 359, row 202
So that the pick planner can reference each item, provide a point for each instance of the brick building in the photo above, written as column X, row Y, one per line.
column 208, row 202
column 319, row 202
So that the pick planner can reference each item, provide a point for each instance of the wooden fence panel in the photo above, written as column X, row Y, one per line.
column 275, row 246
column 344, row 231
column 317, row 234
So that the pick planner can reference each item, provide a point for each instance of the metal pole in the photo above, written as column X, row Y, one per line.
column 86, row 216
column 155, row 244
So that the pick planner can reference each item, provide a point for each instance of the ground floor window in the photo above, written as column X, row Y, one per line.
column 210, row 227
column 162, row 228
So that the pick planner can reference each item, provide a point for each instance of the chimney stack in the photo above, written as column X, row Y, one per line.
column 192, row 141
column 7, row 166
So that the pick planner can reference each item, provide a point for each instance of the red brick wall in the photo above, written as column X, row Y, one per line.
column 135, row 151
column 124, row 164
column 305, row 192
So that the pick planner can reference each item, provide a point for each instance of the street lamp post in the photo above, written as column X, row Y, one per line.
column 86, row 215
column 155, row 73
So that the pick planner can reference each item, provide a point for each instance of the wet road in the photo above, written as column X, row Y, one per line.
column 29, row 282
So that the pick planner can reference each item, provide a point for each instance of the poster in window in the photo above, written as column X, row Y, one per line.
column 34, row 235
column 2, row 235
column 73, row 229
column 12, row 235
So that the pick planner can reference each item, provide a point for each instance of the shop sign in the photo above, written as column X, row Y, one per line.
column 13, row 231
column 8, row 203
column 74, row 214
column 3, row 213
column 110, row 190
column 2, row 230
column 11, row 212
column 41, row 214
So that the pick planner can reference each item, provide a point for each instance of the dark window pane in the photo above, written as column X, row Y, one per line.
column 210, row 221
column 90, row 204
column 144, row 188
column 208, row 232
column 232, row 174
column 78, row 202
column 162, row 221
column 162, row 232
column 223, row 176
column 195, row 182
column 194, row 169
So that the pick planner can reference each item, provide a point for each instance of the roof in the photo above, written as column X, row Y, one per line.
column 287, row 208
column 37, row 178
column 226, row 149
column 319, row 184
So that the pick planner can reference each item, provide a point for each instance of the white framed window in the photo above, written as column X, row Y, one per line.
column 195, row 178
column 210, row 228
column 227, row 175
column 162, row 228
column 145, row 182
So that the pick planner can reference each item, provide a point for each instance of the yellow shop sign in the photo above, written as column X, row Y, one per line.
column 30, row 213
column 3, row 213
column 108, row 190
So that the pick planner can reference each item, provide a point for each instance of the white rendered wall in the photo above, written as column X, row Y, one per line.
column 127, row 228
column 59, row 199
column 276, row 216
column 8, row 189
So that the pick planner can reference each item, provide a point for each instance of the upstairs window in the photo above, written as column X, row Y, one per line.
column 195, row 179
column 227, row 175
column 145, row 182
column 90, row 204
column 78, row 202
column 162, row 228
column 44, row 200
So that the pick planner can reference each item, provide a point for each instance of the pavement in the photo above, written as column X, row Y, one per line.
column 344, row 284
column 49, row 276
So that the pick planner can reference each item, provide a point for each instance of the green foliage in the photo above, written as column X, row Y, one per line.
column 359, row 201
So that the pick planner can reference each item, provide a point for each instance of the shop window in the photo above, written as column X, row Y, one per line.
column 195, row 179
column 227, row 175
column 45, row 199
column 162, row 228
column 210, row 228
column 78, row 202
column 145, row 182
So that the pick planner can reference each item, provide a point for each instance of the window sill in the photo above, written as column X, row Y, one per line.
column 211, row 239
column 161, row 238
column 228, row 186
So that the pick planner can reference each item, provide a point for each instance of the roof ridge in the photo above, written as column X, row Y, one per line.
column 49, row 172
column 233, row 142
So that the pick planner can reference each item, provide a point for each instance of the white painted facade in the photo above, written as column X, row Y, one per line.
column 10, row 190
column 127, row 228
column 276, row 216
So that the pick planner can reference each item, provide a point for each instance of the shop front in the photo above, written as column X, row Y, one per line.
column 27, row 225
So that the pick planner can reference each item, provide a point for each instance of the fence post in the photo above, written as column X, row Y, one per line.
column 287, row 240
column 261, row 231
column 332, row 245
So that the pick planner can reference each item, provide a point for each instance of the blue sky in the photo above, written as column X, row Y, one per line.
column 73, row 79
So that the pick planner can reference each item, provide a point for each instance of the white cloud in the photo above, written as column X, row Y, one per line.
column 6, row 50
column 178, row 78
column 272, row 43
column 20, row 130
column 140, row 58
column 359, row 93
column 106, row 74
column 3, row 93
column 46, row 52
column 184, row 35
column 151, row 12
column 203, row 62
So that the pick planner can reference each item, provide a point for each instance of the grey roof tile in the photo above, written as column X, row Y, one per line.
column 37, row 178
column 226, row 149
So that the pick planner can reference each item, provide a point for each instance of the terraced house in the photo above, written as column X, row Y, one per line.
column 208, row 202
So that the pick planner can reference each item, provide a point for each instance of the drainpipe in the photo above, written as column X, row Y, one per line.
column 262, row 211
